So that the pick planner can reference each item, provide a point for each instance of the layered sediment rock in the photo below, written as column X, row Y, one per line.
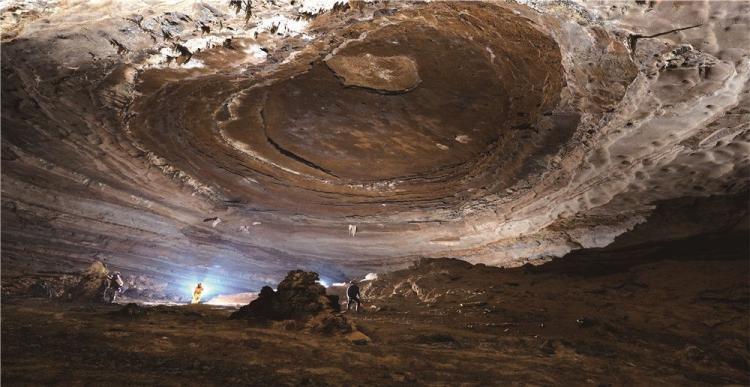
column 182, row 140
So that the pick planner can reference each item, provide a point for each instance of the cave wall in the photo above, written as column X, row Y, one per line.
column 182, row 140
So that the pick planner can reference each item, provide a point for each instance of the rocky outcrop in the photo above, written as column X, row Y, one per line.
column 301, row 298
column 90, row 286
column 676, row 232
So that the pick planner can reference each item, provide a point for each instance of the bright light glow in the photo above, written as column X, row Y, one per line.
column 213, row 286
column 324, row 283
column 188, row 286
column 235, row 300
column 191, row 289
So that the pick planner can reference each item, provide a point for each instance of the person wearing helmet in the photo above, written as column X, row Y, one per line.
column 115, row 286
column 353, row 296
column 197, row 294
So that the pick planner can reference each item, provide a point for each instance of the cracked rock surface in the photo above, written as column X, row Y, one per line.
column 180, row 139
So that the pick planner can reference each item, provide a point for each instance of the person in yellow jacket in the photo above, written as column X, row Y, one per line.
column 197, row 293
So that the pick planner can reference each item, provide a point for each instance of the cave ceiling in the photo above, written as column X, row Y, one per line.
column 181, row 139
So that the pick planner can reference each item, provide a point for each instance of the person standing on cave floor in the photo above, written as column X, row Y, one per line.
column 352, row 294
column 114, row 287
column 197, row 294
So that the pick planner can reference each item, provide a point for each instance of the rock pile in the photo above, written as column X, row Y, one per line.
column 302, row 299
column 299, row 297
column 91, row 284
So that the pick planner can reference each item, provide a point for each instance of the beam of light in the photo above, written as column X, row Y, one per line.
column 213, row 286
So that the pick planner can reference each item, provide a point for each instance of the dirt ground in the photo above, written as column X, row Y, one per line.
column 444, row 322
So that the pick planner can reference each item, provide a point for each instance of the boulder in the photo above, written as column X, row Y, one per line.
column 265, row 307
column 299, row 297
column 300, row 302
column 91, row 284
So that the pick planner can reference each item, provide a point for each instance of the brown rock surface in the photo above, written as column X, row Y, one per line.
column 90, row 285
column 677, row 320
column 299, row 296
column 387, row 74
column 229, row 144
column 147, row 141
column 301, row 299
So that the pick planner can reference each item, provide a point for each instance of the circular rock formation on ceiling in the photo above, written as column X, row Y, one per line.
column 408, row 114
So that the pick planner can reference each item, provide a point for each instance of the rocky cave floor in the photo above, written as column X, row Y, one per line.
column 679, row 320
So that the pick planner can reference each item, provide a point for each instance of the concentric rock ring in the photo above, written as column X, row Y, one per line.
column 410, row 114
